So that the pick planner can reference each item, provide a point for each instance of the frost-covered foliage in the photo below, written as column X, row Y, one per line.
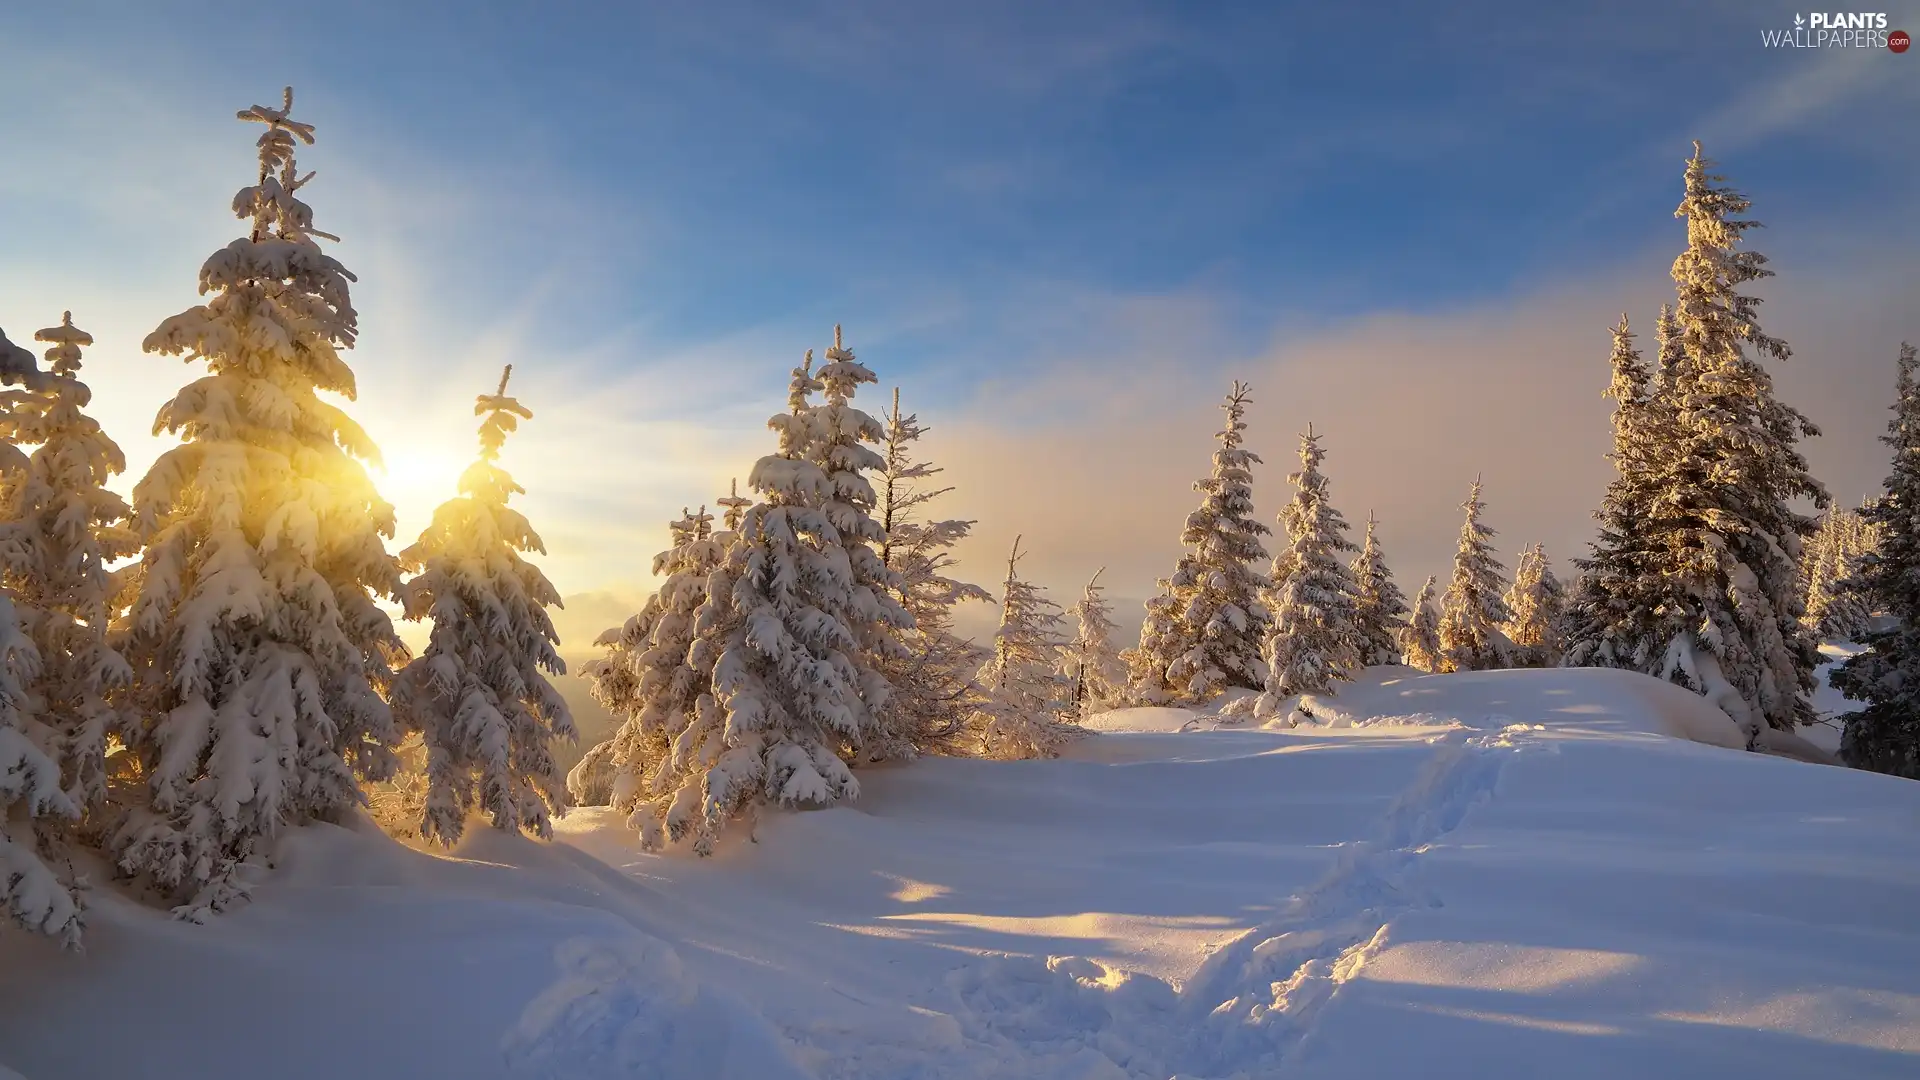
column 1711, row 596
column 1837, row 608
column 1472, row 612
column 1536, row 610
column 1420, row 641
column 1615, row 618
column 1736, row 468
column 801, row 618
column 1204, row 630
column 259, row 652
column 1379, row 616
column 932, row 678
column 60, row 527
column 35, row 810
column 1027, row 701
column 1096, row 676
column 31, row 800
column 1315, row 599
column 1885, row 735
column 479, row 693
column 669, row 730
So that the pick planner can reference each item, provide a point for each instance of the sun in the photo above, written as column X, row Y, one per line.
column 415, row 478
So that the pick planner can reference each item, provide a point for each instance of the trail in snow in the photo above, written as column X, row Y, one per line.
column 1254, row 1001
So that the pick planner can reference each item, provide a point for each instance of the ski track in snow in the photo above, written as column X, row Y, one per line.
column 1253, row 1004
column 627, row 1003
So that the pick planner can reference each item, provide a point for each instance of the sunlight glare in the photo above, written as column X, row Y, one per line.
column 416, row 477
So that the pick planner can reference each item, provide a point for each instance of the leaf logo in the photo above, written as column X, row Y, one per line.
column 1798, row 21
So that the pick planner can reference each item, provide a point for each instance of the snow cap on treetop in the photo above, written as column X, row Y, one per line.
column 67, row 339
column 735, row 504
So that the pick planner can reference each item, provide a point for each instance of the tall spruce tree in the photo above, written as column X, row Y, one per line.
column 1315, row 600
column 1472, row 611
column 1026, row 705
column 259, row 650
column 1379, row 616
column 1096, row 675
column 479, row 693
column 35, row 810
column 932, row 679
column 1204, row 630
column 802, row 615
column 1701, row 583
column 60, row 528
column 1614, row 618
column 1420, row 642
column 1885, row 735
column 1724, row 534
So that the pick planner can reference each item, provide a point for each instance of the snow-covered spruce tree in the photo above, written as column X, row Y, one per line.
column 1095, row 674
column 1027, row 706
column 1380, row 615
column 59, row 528
column 479, row 693
column 258, row 649
column 1885, row 735
column 1612, row 621
column 1204, row 630
column 1535, row 608
column 932, row 680
column 1837, row 609
column 801, row 617
column 1723, row 534
column 1420, row 640
column 1473, row 612
column 648, row 680
column 1315, row 600
column 33, row 805
column 1161, row 635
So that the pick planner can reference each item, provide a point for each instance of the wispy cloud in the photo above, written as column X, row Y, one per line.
column 1789, row 92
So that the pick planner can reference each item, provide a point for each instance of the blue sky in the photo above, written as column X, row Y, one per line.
column 1062, row 227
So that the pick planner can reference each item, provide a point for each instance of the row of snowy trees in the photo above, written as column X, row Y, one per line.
column 1704, row 572
column 174, row 712
column 814, row 633
column 1837, row 605
column 1323, row 607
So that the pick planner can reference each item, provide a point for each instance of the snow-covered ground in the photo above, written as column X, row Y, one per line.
column 1507, row 874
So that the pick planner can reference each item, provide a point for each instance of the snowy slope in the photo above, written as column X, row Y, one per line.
column 1511, row 873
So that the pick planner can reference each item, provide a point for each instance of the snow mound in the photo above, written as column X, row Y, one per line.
column 1142, row 719
column 1574, row 701
column 625, row 1006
